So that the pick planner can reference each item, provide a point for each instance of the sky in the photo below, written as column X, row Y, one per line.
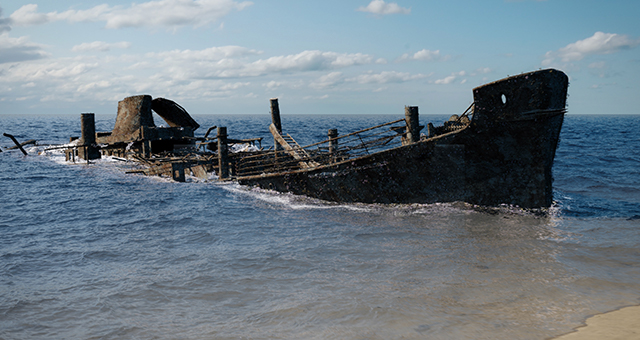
column 317, row 57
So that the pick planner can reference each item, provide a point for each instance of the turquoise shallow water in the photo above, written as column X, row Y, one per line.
column 89, row 252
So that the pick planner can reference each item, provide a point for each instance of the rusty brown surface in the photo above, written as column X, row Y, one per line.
column 133, row 113
column 15, row 141
column 504, row 156
column 519, row 96
column 134, row 124
column 174, row 114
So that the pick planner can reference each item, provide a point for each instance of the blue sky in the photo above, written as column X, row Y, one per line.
column 317, row 57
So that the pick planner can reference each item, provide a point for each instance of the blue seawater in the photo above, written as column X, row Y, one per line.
column 90, row 252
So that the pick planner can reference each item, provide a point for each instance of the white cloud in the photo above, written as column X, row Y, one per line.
column 59, row 70
column 484, row 70
column 65, row 79
column 160, row 13
column 387, row 77
column 27, row 15
column 447, row 80
column 181, row 74
column 328, row 80
column 323, row 97
column 234, row 86
column 425, row 55
column 599, row 43
column 234, row 62
column 100, row 46
column 207, row 55
column 272, row 84
column 450, row 79
column 301, row 62
column 382, row 8
column 19, row 49
column 102, row 84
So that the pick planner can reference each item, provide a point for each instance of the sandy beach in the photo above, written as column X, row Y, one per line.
column 622, row 324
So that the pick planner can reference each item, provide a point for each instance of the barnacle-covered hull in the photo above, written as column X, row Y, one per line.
column 503, row 155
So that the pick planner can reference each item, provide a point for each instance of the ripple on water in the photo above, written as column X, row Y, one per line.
column 90, row 252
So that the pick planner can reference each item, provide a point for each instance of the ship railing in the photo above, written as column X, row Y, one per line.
column 349, row 146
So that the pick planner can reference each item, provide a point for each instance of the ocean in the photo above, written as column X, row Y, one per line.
column 90, row 252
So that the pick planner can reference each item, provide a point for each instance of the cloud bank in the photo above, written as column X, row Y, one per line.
column 100, row 46
column 386, row 77
column 19, row 49
column 599, row 43
column 161, row 13
column 215, row 72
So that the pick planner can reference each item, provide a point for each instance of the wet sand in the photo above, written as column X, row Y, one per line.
column 622, row 324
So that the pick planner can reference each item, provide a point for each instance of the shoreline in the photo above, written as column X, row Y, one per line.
column 623, row 323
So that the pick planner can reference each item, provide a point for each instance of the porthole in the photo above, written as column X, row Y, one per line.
column 504, row 99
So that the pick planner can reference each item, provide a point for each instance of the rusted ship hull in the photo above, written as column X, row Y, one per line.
column 504, row 155
column 499, row 151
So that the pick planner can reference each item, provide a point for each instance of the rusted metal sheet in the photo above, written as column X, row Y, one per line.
column 172, row 113
column 133, row 113
column 15, row 141
column 200, row 171
column 30, row 141
column 136, row 133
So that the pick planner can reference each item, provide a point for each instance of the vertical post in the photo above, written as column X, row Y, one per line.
column 88, row 137
column 223, row 153
column 146, row 148
column 88, row 128
column 275, row 119
column 413, row 124
column 333, row 142
column 275, row 114
column 177, row 171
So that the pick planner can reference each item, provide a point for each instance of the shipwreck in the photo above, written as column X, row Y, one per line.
column 499, row 151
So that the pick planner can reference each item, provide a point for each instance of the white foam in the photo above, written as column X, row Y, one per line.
column 288, row 200
column 294, row 202
column 246, row 147
column 56, row 155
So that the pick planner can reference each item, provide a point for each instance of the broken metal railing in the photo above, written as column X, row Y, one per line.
column 335, row 149
column 370, row 140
